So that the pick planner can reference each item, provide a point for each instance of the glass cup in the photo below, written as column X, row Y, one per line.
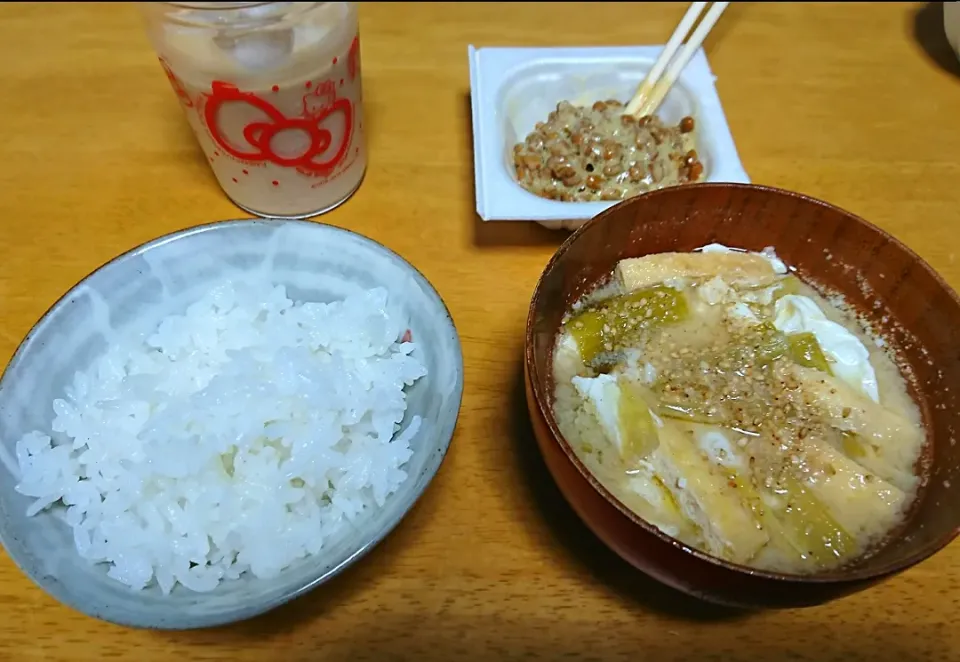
column 272, row 91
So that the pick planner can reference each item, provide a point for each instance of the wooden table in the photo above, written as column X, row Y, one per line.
column 839, row 101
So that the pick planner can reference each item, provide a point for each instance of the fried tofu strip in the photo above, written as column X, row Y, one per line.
column 857, row 500
column 736, row 269
column 889, row 436
column 707, row 498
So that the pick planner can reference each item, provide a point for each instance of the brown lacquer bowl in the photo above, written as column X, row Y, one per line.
column 898, row 292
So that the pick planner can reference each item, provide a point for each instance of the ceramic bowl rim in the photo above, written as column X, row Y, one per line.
column 546, row 410
column 249, row 610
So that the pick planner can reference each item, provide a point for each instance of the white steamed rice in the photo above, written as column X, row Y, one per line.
column 237, row 437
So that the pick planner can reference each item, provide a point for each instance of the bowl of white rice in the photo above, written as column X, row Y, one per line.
column 223, row 419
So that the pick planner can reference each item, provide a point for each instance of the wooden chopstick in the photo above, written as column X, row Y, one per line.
column 662, row 76
column 675, row 41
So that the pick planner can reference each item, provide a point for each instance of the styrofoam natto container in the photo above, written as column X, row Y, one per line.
column 511, row 89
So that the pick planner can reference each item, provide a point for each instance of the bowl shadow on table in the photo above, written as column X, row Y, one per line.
column 574, row 536
column 926, row 25
column 492, row 234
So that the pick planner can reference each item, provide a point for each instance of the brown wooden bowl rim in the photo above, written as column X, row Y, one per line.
column 546, row 410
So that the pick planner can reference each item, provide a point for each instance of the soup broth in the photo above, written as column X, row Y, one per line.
column 731, row 405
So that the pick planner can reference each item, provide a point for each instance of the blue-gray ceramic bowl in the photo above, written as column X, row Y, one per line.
column 316, row 263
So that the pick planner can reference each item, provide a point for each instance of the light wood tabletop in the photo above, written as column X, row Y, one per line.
column 855, row 103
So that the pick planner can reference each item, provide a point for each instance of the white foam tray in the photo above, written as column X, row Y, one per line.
column 511, row 89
